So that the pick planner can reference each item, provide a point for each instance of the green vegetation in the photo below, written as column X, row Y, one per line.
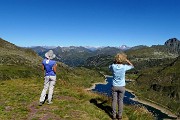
column 153, row 52
column 19, row 99
column 16, row 66
column 156, row 73
column 21, row 83
column 161, row 85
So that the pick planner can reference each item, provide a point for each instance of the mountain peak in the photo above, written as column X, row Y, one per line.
column 174, row 44
column 124, row 47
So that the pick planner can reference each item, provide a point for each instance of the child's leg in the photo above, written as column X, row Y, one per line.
column 46, row 85
column 120, row 101
column 51, row 87
column 114, row 102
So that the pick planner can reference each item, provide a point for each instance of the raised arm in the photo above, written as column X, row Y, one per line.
column 129, row 62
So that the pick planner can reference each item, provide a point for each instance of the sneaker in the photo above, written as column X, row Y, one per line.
column 119, row 118
column 114, row 118
column 40, row 103
column 49, row 103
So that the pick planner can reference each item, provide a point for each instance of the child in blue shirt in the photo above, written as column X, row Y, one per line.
column 119, row 69
column 49, row 66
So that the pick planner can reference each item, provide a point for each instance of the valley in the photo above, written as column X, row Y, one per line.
column 156, row 72
column 156, row 76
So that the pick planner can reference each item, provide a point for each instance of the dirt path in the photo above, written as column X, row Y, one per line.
column 41, row 112
column 45, row 112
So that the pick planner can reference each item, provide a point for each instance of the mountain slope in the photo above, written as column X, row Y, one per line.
column 157, row 73
column 158, row 77
column 146, row 57
column 77, row 56
column 72, row 56
column 161, row 84
column 107, row 51
column 20, row 96
column 17, row 62
column 142, row 57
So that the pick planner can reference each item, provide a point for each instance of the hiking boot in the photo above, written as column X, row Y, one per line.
column 40, row 103
column 119, row 118
column 114, row 118
column 49, row 102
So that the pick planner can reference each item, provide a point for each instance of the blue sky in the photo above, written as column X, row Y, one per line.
column 89, row 22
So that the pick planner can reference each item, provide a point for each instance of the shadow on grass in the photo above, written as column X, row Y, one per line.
column 102, row 105
column 46, row 97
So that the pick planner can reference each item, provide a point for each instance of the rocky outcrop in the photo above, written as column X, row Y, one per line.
column 174, row 44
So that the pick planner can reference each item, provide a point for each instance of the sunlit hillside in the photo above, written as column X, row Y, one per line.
column 21, row 82
column 16, row 62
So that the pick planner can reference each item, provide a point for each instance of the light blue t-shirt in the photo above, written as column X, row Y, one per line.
column 119, row 71
column 48, row 67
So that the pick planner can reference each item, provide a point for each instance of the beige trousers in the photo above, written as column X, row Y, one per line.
column 49, row 83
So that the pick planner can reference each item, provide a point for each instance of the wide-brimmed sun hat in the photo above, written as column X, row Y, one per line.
column 50, row 54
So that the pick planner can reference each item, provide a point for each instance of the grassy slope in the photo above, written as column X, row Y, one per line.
column 153, row 52
column 19, row 99
column 160, row 85
column 16, row 62
column 158, row 77
column 21, row 83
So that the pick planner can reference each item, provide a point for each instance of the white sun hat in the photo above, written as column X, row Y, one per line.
column 50, row 54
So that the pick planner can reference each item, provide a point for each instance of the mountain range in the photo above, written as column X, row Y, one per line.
column 77, row 56
column 83, row 56
column 156, row 70
column 21, row 82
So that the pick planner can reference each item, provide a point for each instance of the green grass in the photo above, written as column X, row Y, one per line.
column 159, row 98
column 13, row 72
column 137, row 113
column 161, row 85
column 20, row 97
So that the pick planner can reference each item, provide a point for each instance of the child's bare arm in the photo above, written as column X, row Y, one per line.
column 54, row 67
column 129, row 62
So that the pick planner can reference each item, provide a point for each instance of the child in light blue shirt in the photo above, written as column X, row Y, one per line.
column 119, row 69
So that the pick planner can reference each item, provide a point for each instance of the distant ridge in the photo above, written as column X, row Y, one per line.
column 124, row 47
column 75, row 56
column 7, row 45
column 79, row 55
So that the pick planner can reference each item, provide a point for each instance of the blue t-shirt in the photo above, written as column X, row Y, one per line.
column 48, row 67
column 119, row 71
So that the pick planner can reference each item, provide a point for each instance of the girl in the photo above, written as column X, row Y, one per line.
column 118, row 69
